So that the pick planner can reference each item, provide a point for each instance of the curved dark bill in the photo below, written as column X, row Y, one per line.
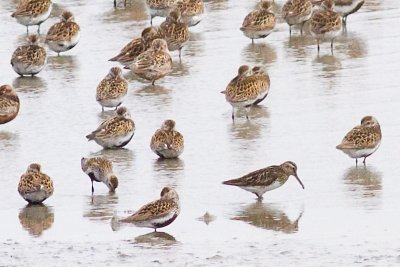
column 298, row 179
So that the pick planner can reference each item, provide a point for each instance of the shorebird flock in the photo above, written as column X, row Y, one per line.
column 148, row 57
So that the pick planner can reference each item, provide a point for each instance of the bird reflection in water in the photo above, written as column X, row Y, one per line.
column 30, row 85
column 207, row 218
column 330, row 66
column 36, row 218
column 298, row 46
column 259, row 53
column 100, row 208
column 267, row 216
column 249, row 129
column 155, row 238
column 364, row 180
column 64, row 65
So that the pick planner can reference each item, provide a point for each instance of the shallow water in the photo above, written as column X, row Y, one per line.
column 345, row 216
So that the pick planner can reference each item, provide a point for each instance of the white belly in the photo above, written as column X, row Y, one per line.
column 27, row 69
column 64, row 45
column 360, row 153
column 30, row 20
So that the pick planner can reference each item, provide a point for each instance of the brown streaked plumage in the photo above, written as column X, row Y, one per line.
column 167, row 142
column 112, row 89
column 63, row 35
column 29, row 59
column 243, row 90
column 137, row 46
column 295, row 12
column 9, row 104
column 32, row 12
column 347, row 7
column 115, row 132
column 325, row 23
column 159, row 213
column 259, row 23
column 100, row 170
column 363, row 140
column 263, row 82
column 35, row 186
column 154, row 63
column 174, row 31
column 160, row 8
column 192, row 11
column 263, row 180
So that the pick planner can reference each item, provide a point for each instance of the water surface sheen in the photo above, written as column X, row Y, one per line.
column 345, row 216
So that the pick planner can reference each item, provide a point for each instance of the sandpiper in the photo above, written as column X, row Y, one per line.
column 9, row 104
column 112, row 89
column 137, row 46
column 347, row 7
column 114, row 132
column 35, row 186
column 100, row 170
column 32, row 12
column 167, row 142
column 362, row 140
column 263, row 82
column 259, row 23
column 175, row 32
column 192, row 11
column 158, row 213
column 243, row 91
column 29, row 59
column 63, row 35
column 160, row 8
column 297, row 12
column 154, row 63
column 326, row 23
column 263, row 180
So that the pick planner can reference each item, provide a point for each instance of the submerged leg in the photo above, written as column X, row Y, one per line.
column 364, row 160
column 180, row 51
column 247, row 112
column 356, row 162
column 252, row 41
column 152, row 83
column 318, row 45
column 233, row 114
column 290, row 30
column 332, row 45
column 115, row 3
column 92, row 188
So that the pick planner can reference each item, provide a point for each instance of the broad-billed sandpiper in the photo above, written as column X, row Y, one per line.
column 100, row 170
column 326, row 23
column 63, row 35
column 9, row 104
column 167, row 142
column 29, row 59
column 259, row 23
column 362, row 140
column 192, row 11
column 137, row 46
column 154, row 63
column 297, row 12
column 175, row 32
column 32, row 12
column 263, row 180
column 156, row 214
column 112, row 89
column 116, row 131
column 35, row 186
